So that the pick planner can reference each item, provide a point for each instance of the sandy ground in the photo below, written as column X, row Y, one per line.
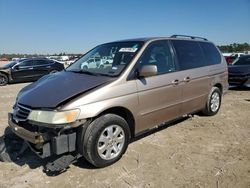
column 197, row 152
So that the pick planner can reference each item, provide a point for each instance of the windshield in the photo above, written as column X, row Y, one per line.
column 10, row 64
column 107, row 59
column 241, row 60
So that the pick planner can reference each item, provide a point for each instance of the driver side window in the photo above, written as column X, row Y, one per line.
column 158, row 53
column 26, row 63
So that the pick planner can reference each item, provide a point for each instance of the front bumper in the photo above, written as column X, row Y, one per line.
column 45, row 144
column 33, row 137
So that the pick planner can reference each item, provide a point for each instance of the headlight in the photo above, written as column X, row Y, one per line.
column 54, row 117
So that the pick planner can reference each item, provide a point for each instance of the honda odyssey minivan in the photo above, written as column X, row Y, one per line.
column 96, row 112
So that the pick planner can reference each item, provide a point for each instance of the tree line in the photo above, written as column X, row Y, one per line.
column 235, row 47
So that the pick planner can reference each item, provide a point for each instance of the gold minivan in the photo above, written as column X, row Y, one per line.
column 95, row 111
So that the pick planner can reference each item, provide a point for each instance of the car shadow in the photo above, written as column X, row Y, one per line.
column 159, row 128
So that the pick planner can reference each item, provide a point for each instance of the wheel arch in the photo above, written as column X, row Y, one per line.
column 124, row 113
column 218, row 85
column 6, row 74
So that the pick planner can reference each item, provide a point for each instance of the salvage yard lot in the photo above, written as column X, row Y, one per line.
column 197, row 152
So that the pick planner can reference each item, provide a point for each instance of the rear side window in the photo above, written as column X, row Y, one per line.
column 26, row 63
column 41, row 62
column 189, row 54
column 242, row 61
column 212, row 55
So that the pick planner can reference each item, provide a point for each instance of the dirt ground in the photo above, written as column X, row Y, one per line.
column 196, row 152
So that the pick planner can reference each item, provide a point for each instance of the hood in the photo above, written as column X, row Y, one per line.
column 239, row 69
column 3, row 68
column 53, row 89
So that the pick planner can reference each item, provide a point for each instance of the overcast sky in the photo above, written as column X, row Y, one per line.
column 75, row 26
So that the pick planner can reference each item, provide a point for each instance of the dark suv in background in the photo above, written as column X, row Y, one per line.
column 239, row 71
column 26, row 70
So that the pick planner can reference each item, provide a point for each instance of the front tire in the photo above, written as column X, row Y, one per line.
column 106, row 140
column 3, row 79
column 213, row 103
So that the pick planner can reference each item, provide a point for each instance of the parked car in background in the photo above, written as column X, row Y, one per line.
column 239, row 71
column 230, row 57
column 96, row 112
column 93, row 62
column 26, row 70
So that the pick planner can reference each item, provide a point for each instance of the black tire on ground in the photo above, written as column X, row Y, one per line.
column 93, row 133
column 214, row 94
column 3, row 79
column 10, row 145
column 4, row 154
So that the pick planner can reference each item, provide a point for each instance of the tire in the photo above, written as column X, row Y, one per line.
column 10, row 145
column 213, row 103
column 3, row 79
column 4, row 154
column 103, row 136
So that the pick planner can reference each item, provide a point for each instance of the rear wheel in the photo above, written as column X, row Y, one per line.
column 106, row 140
column 213, row 103
column 3, row 79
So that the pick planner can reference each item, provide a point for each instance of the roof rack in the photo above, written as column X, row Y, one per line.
column 192, row 37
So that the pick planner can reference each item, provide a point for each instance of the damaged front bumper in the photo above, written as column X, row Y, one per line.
column 45, row 142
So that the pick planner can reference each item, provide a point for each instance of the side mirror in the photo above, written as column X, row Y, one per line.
column 148, row 70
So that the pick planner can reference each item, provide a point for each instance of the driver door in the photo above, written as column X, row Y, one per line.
column 23, row 71
column 159, row 95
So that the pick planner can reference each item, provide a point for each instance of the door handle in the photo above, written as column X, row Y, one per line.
column 187, row 79
column 30, row 68
column 48, row 67
column 175, row 82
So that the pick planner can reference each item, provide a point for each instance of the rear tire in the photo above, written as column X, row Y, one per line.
column 4, row 154
column 3, row 79
column 213, row 103
column 106, row 140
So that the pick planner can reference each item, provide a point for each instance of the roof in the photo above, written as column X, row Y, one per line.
column 179, row 37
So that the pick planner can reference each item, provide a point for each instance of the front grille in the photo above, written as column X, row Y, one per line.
column 21, row 113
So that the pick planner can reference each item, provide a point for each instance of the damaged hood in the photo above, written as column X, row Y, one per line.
column 53, row 89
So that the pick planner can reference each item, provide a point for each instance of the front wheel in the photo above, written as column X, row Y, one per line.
column 3, row 79
column 213, row 103
column 106, row 140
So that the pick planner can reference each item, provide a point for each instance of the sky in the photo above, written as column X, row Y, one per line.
column 75, row 26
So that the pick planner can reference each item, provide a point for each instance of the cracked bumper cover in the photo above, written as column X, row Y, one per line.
column 43, row 144
column 35, row 138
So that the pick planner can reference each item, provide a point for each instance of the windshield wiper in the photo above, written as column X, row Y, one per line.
column 83, row 72
column 88, row 72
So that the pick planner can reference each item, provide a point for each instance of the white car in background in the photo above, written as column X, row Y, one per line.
column 95, row 62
